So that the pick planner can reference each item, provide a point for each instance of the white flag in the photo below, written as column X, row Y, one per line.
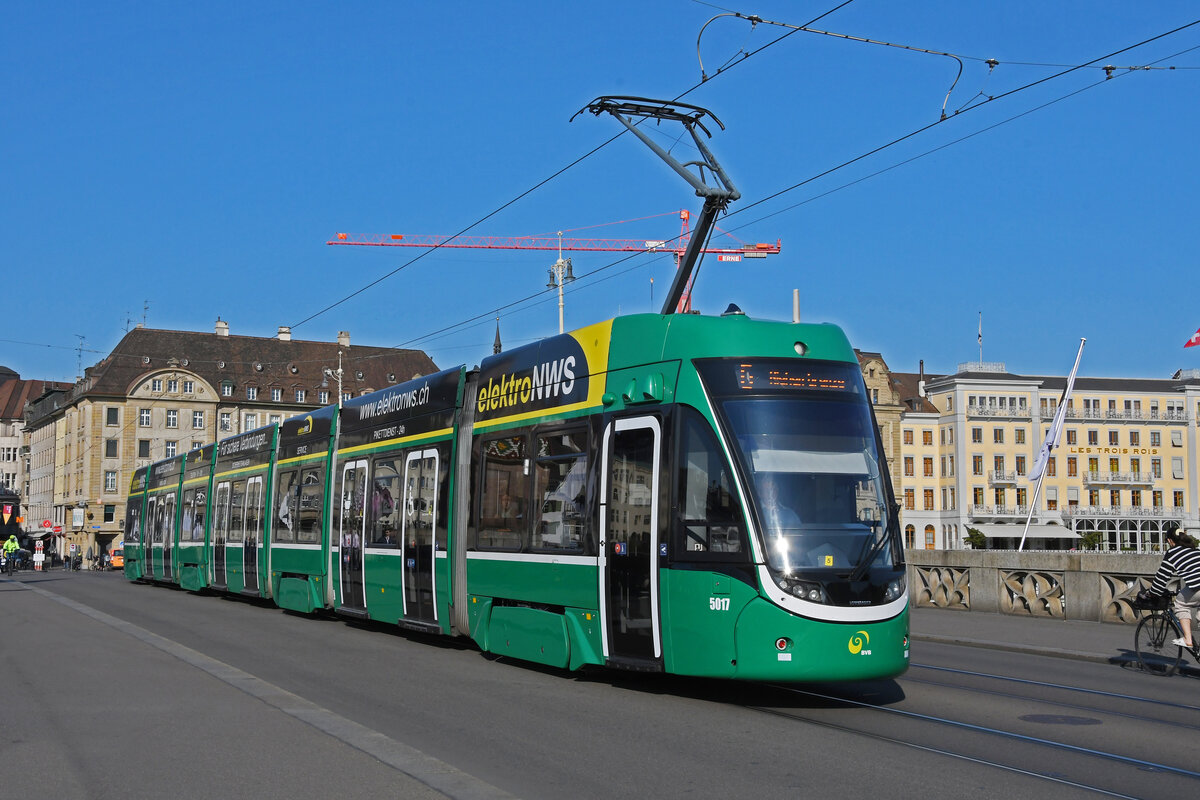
column 1043, row 456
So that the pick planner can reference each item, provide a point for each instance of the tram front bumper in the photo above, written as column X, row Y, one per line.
column 776, row 645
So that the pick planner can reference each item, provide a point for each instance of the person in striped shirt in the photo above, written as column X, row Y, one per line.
column 1181, row 567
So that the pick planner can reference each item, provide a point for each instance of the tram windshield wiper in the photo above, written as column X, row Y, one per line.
column 893, row 530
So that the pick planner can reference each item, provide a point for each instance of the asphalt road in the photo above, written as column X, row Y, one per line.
column 119, row 690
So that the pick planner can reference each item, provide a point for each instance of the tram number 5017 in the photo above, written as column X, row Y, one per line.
column 718, row 603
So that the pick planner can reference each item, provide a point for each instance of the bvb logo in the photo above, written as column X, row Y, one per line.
column 859, row 640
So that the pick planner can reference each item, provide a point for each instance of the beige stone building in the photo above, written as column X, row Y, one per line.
column 1126, row 467
column 161, row 393
column 16, row 462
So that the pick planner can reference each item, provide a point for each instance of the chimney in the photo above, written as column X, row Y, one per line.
column 222, row 327
column 343, row 338
column 285, row 333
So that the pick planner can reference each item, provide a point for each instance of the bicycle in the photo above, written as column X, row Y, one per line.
column 1153, row 641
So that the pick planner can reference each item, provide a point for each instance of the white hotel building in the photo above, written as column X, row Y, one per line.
column 1126, row 464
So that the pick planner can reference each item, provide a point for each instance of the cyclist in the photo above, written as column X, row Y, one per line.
column 10, row 551
column 1181, row 565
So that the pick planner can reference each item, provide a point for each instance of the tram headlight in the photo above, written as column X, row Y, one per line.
column 812, row 592
column 895, row 589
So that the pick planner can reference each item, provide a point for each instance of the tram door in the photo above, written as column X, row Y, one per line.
column 351, row 526
column 151, row 538
column 419, row 529
column 220, row 530
column 253, row 522
column 168, row 573
column 236, row 532
column 629, row 539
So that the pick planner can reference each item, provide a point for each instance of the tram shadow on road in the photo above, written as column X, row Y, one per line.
column 744, row 693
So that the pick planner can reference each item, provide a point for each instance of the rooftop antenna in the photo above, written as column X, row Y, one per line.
column 128, row 319
column 145, row 311
column 79, row 357
column 716, row 197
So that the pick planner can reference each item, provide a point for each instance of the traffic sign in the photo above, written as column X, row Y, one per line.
column 58, row 528
column 46, row 523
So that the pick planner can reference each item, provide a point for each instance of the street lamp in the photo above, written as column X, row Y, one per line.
column 338, row 374
column 560, row 274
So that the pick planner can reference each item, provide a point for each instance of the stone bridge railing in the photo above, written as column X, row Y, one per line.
column 1067, row 585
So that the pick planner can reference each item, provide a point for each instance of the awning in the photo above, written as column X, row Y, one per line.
column 994, row 531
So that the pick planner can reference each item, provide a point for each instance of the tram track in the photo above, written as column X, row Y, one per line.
column 935, row 750
column 1061, row 762
column 1093, row 709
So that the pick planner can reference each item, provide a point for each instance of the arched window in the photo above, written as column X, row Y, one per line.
column 910, row 537
column 930, row 536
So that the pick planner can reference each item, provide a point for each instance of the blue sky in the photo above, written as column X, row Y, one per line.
column 197, row 157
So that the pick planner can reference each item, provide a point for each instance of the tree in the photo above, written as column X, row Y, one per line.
column 1091, row 539
column 976, row 539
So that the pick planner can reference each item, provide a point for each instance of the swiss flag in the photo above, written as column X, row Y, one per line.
column 1195, row 340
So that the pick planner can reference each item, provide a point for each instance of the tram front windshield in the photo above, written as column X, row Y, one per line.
column 805, row 441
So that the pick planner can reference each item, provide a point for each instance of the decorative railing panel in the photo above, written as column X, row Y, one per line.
column 943, row 587
column 1034, row 594
column 1116, row 596
column 1074, row 585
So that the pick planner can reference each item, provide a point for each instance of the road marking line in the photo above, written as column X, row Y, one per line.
column 432, row 772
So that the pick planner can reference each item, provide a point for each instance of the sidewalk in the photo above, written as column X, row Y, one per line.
column 1102, row 642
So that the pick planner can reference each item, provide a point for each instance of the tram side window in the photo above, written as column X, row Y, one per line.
column 153, row 521
column 312, row 493
column 133, row 522
column 189, row 501
column 237, row 501
column 709, row 522
column 254, row 509
column 198, row 518
column 559, row 491
column 348, row 508
column 221, row 514
column 384, row 520
column 503, row 521
column 168, row 530
column 286, row 503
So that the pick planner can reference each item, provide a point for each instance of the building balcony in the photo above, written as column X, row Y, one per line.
column 1002, row 477
column 1159, row 512
column 1118, row 478
column 997, row 512
column 1121, row 415
column 999, row 413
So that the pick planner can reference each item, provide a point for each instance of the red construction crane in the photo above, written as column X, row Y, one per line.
column 676, row 246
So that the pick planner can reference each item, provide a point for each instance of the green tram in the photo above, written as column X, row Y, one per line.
column 677, row 493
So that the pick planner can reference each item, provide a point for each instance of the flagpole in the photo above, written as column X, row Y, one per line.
column 981, row 340
column 1037, row 489
column 1051, row 442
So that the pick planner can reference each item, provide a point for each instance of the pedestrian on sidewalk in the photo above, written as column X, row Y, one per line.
column 1180, row 568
